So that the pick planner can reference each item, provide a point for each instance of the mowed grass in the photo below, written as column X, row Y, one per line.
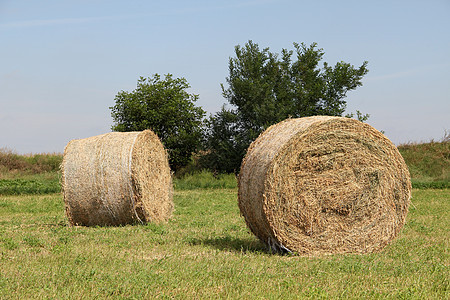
column 206, row 251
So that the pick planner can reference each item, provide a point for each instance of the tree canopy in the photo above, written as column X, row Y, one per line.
column 164, row 106
column 265, row 88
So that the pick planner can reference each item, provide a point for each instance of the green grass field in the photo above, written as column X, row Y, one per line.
column 206, row 251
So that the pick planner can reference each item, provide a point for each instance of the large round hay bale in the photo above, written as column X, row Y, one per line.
column 323, row 185
column 117, row 178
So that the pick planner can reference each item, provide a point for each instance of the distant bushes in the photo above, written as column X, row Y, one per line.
column 428, row 163
column 29, row 174
column 29, row 164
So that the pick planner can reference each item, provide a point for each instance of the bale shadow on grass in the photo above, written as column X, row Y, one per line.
column 230, row 243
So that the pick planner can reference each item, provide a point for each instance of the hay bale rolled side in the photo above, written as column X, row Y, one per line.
column 322, row 185
column 116, row 178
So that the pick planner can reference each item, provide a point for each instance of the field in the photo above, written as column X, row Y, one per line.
column 205, row 250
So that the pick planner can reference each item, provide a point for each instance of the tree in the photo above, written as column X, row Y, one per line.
column 224, row 142
column 265, row 88
column 168, row 109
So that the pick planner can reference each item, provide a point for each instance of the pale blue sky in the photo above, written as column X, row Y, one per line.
column 62, row 62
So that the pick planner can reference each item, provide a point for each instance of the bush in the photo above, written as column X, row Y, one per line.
column 427, row 162
column 30, row 164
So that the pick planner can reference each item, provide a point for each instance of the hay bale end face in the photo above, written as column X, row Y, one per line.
column 117, row 178
column 323, row 185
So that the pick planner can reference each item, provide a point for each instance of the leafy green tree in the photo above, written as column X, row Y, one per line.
column 265, row 88
column 164, row 106
column 359, row 116
column 224, row 141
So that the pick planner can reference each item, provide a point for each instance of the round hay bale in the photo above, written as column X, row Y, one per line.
column 117, row 178
column 323, row 185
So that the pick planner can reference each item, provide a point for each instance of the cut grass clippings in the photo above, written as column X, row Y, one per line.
column 206, row 251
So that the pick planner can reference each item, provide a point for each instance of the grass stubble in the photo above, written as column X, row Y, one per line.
column 206, row 251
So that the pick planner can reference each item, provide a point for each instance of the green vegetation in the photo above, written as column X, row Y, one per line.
column 205, row 180
column 29, row 174
column 164, row 106
column 12, row 164
column 428, row 163
column 265, row 88
column 206, row 251
column 29, row 186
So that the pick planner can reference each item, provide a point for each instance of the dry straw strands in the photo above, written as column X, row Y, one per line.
column 117, row 178
column 323, row 185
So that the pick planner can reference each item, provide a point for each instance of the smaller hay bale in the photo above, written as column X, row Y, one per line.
column 117, row 178
column 323, row 185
